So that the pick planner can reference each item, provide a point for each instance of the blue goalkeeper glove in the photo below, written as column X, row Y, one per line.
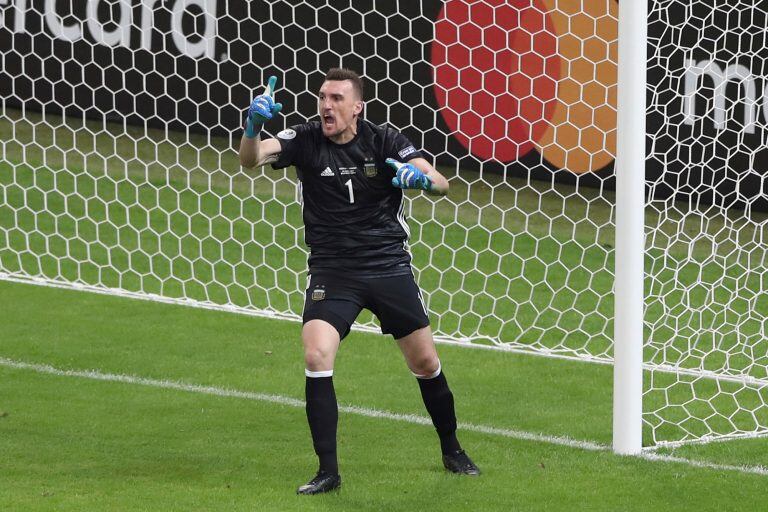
column 262, row 109
column 409, row 176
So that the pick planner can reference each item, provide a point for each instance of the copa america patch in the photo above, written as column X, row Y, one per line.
column 318, row 294
column 287, row 134
column 406, row 151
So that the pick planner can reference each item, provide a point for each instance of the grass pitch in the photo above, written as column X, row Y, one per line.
column 156, row 213
column 72, row 443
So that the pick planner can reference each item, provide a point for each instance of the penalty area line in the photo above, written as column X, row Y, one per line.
column 365, row 412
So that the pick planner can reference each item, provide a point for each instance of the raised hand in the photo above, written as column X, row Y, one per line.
column 262, row 109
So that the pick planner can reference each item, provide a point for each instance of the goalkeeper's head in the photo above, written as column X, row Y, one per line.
column 339, row 103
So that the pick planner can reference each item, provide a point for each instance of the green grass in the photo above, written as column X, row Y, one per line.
column 520, row 262
column 70, row 443
column 161, row 213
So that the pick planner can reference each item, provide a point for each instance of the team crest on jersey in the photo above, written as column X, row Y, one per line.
column 369, row 168
column 318, row 293
column 287, row 134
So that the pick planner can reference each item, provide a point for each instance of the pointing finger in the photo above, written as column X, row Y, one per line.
column 392, row 162
column 270, row 88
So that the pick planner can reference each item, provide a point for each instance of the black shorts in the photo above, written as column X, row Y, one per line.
column 338, row 299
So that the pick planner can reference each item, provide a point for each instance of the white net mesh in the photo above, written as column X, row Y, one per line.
column 706, row 302
column 136, row 187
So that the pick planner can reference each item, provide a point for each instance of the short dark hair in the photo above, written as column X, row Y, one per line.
column 341, row 74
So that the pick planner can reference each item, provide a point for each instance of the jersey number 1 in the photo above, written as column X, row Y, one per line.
column 348, row 183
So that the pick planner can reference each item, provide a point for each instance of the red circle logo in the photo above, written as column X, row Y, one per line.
column 516, row 75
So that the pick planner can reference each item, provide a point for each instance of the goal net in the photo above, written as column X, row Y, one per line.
column 118, row 172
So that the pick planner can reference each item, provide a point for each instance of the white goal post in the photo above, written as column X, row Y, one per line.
column 118, row 174
column 630, row 230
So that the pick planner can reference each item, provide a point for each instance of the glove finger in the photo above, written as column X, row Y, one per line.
column 263, row 113
column 392, row 162
column 265, row 109
column 396, row 182
column 270, row 89
column 260, row 98
column 277, row 107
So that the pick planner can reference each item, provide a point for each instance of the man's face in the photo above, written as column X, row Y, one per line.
column 338, row 105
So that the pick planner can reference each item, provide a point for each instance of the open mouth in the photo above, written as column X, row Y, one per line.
column 329, row 121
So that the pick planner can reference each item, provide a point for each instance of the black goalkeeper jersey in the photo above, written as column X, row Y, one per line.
column 353, row 217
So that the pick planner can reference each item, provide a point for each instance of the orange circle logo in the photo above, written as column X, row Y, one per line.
column 516, row 75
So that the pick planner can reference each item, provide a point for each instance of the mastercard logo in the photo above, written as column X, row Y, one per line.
column 513, row 76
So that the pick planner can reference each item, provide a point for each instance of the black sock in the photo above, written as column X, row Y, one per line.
column 323, row 415
column 439, row 401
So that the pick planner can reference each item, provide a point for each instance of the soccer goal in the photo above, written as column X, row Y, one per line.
column 118, row 174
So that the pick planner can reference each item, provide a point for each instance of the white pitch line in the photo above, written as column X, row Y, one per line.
column 456, row 341
column 755, row 470
column 362, row 411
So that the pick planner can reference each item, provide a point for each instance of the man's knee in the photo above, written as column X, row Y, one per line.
column 318, row 358
column 321, row 342
column 425, row 366
column 420, row 353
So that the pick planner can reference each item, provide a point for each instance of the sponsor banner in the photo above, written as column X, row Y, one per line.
column 708, row 116
column 525, row 88
column 530, row 76
column 139, row 60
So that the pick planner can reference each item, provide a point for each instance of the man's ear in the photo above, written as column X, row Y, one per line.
column 359, row 104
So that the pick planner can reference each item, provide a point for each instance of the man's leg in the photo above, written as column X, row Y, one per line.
column 420, row 354
column 321, row 342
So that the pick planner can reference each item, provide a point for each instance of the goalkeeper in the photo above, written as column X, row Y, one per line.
column 351, row 176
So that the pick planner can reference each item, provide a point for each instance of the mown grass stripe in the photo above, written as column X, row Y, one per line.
column 362, row 411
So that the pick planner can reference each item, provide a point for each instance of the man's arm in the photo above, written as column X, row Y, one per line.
column 439, row 183
column 256, row 152
column 253, row 150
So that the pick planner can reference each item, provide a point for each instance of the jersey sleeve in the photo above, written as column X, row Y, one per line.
column 399, row 147
column 295, row 146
